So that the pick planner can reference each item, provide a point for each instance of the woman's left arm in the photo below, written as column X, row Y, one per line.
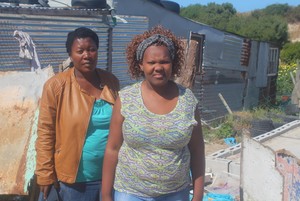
column 196, row 146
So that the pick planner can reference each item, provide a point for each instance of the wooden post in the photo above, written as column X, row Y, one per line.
column 225, row 103
column 293, row 79
column 188, row 70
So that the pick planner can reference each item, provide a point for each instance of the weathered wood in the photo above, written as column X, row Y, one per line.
column 188, row 70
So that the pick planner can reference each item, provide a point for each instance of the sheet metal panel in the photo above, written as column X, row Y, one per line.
column 126, row 28
column 252, row 94
column 48, row 28
column 227, row 82
column 252, row 68
column 231, row 53
column 222, row 50
column 262, row 65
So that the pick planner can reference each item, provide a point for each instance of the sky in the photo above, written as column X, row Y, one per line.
column 240, row 5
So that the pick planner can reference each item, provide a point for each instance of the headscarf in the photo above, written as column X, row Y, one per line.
column 152, row 40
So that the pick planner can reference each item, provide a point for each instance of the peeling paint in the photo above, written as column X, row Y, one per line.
column 20, row 94
column 289, row 166
column 31, row 153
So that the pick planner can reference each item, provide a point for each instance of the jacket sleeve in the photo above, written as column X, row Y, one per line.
column 45, row 143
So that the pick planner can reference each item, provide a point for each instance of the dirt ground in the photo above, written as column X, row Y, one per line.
column 212, row 147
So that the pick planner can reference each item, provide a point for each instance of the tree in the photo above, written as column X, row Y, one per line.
column 213, row 14
column 193, row 12
column 266, row 24
column 277, row 9
column 294, row 15
column 290, row 53
column 268, row 28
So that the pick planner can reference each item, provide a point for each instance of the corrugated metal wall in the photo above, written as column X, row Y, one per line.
column 231, row 53
column 48, row 29
column 222, row 75
column 222, row 51
column 229, row 83
column 127, row 27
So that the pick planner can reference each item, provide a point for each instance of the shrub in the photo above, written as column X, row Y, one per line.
column 290, row 53
column 233, row 125
column 284, row 83
column 225, row 131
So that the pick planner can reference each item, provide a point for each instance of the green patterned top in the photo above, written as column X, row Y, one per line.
column 154, row 158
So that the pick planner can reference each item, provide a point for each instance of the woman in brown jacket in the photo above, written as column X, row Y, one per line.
column 74, row 119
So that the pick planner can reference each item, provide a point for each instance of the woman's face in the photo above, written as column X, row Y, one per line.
column 84, row 54
column 157, row 65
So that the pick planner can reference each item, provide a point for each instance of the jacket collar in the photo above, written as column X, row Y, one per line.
column 106, row 94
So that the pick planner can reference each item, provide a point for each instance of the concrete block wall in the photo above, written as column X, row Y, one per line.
column 265, row 173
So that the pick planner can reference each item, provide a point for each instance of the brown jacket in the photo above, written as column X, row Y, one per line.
column 64, row 116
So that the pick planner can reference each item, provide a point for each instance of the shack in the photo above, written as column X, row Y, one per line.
column 241, row 70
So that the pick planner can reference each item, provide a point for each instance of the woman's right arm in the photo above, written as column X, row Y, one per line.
column 115, row 140
column 45, row 142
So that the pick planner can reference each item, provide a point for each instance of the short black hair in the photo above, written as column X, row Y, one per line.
column 81, row 32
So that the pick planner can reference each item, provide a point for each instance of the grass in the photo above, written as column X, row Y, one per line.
column 233, row 125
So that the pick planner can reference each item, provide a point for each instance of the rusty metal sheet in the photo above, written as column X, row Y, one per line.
column 20, row 93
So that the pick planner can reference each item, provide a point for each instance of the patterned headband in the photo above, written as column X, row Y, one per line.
column 152, row 40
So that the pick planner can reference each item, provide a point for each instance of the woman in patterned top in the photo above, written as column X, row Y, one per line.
column 155, row 137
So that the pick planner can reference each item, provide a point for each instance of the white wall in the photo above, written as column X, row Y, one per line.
column 260, row 181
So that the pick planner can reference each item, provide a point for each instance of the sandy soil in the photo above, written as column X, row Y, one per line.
column 212, row 147
column 294, row 34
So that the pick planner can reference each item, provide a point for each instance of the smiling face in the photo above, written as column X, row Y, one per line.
column 157, row 65
column 84, row 54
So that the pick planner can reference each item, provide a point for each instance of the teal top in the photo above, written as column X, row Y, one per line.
column 90, row 167
column 154, row 158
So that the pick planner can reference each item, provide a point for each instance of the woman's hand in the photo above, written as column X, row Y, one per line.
column 107, row 198
column 197, row 199
column 45, row 190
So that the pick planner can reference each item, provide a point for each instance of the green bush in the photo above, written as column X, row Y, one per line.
column 233, row 125
column 225, row 131
column 220, row 130
column 293, row 16
column 284, row 83
column 290, row 53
